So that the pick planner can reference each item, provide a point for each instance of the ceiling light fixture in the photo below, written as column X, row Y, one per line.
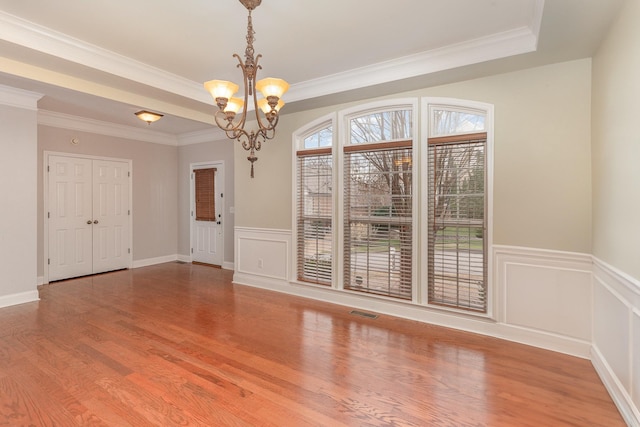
column 228, row 117
column 148, row 116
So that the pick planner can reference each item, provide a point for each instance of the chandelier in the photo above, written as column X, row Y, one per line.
column 229, row 118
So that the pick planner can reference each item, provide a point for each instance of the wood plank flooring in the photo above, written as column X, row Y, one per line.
column 180, row 345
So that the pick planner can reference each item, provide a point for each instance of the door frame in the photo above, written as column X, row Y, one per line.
column 45, row 204
column 219, row 164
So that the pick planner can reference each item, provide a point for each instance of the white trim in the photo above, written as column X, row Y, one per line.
column 28, row 34
column 619, row 395
column 45, row 193
column 228, row 265
column 82, row 124
column 19, row 98
column 153, row 261
column 528, row 334
column 626, row 290
column 19, row 298
column 496, row 46
column 184, row 258
column 513, row 42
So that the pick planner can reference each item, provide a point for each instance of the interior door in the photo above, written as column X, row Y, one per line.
column 110, row 215
column 206, row 215
column 70, row 217
column 88, row 216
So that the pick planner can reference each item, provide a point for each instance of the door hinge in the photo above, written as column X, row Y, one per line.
column 48, row 261
column 129, row 212
column 129, row 250
column 48, row 214
column 48, row 168
column 191, row 250
column 192, row 175
column 221, row 195
column 129, row 174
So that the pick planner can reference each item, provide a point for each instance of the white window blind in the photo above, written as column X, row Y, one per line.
column 457, row 259
column 378, row 218
column 314, row 211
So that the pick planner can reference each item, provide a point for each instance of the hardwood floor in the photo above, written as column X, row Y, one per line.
column 179, row 345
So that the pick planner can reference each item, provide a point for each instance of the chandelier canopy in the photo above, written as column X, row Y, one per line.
column 232, row 112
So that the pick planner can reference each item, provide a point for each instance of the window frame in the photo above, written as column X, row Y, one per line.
column 422, row 128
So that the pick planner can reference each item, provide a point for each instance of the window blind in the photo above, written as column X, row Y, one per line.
column 314, row 208
column 378, row 218
column 457, row 259
column 205, row 194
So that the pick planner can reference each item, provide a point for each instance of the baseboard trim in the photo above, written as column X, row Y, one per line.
column 616, row 390
column 482, row 326
column 19, row 298
column 229, row 265
column 153, row 261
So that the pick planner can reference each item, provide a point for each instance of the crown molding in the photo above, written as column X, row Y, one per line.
column 42, row 39
column 496, row 46
column 81, row 124
column 19, row 98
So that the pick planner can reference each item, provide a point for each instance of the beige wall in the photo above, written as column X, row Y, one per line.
column 616, row 144
column 542, row 182
column 18, row 207
column 155, row 186
column 200, row 153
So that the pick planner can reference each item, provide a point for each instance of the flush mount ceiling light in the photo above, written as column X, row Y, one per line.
column 148, row 116
column 229, row 118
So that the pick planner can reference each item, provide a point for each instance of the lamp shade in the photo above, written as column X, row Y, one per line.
column 272, row 87
column 148, row 116
column 263, row 104
column 221, row 88
column 234, row 105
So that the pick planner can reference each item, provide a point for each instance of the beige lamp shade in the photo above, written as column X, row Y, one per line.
column 148, row 116
column 221, row 88
column 272, row 87
column 266, row 108
column 234, row 105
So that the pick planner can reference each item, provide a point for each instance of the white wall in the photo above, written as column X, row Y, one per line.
column 18, row 238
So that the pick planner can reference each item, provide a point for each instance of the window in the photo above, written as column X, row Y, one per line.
column 457, row 261
column 411, row 212
column 314, row 208
column 205, row 197
column 378, row 222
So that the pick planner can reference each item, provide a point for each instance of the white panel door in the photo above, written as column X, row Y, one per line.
column 88, row 216
column 110, row 215
column 70, row 217
column 207, row 236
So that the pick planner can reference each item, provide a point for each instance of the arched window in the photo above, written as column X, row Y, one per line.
column 395, row 207
column 314, row 204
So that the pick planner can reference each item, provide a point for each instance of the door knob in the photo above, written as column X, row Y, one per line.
column 95, row 222
column 89, row 222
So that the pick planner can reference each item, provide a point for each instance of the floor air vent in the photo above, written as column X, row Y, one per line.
column 363, row 314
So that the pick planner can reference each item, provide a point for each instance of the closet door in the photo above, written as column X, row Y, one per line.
column 70, row 217
column 88, row 216
column 110, row 215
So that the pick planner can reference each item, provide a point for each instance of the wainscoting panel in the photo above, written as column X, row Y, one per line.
column 262, row 253
column 616, row 338
column 547, row 291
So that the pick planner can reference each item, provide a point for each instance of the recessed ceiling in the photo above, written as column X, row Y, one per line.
column 105, row 60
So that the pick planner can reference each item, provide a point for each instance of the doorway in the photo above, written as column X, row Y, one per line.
column 87, row 215
column 207, row 207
